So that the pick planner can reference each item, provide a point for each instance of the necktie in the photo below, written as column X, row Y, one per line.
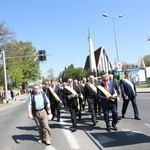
column 107, row 88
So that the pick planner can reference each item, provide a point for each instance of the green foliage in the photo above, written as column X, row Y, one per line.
column 72, row 72
column 146, row 59
column 21, row 62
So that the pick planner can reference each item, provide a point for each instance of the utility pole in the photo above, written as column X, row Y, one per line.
column 5, row 75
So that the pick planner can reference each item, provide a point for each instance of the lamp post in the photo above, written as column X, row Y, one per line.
column 113, row 20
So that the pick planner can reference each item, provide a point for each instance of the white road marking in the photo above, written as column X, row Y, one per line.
column 73, row 142
column 50, row 147
column 130, row 133
column 148, row 125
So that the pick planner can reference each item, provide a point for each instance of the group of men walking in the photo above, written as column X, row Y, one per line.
column 101, row 96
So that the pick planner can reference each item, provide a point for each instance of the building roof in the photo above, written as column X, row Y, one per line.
column 97, row 55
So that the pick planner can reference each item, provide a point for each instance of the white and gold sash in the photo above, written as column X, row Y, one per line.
column 92, row 87
column 71, row 90
column 128, row 82
column 54, row 94
column 104, row 91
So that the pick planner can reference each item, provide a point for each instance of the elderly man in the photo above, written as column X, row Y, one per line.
column 128, row 90
column 107, row 98
column 38, row 108
column 90, row 92
column 71, row 96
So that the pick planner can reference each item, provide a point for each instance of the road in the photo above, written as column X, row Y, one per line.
column 17, row 132
column 132, row 134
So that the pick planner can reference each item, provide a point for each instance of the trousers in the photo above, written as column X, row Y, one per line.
column 41, row 120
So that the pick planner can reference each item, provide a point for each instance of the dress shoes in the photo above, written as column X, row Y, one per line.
column 39, row 141
column 123, row 116
column 119, row 118
column 52, row 118
column 108, row 128
column 73, row 129
column 47, row 142
column 94, row 123
column 137, row 118
column 115, row 127
column 58, row 119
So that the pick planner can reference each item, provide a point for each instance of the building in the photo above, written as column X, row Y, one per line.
column 101, row 60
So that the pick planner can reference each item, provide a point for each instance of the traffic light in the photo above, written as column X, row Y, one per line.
column 42, row 55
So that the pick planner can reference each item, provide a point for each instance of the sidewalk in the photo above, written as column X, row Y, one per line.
column 18, row 98
column 143, row 90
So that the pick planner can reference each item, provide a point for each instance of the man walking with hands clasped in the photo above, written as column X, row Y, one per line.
column 128, row 90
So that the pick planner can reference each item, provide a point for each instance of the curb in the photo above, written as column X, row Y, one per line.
column 94, row 140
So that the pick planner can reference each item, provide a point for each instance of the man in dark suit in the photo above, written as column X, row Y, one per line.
column 71, row 99
column 128, row 90
column 91, row 96
column 107, row 97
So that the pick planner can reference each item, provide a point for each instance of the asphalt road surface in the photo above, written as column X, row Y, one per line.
column 17, row 132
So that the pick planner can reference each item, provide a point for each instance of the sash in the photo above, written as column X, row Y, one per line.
column 71, row 90
column 92, row 87
column 104, row 91
column 54, row 94
column 81, row 96
column 128, row 82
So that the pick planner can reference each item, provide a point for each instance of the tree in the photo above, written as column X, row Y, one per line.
column 22, row 62
column 50, row 74
column 6, row 34
column 126, row 65
column 146, row 59
column 72, row 72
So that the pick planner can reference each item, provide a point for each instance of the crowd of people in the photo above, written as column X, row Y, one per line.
column 100, row 94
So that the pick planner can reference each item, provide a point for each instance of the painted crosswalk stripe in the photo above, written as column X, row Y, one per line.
column 73, row 142
column 148, row 125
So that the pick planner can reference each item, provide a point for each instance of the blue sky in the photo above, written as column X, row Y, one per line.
column 61, row 28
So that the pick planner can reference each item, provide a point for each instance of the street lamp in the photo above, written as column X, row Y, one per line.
column 113, row 19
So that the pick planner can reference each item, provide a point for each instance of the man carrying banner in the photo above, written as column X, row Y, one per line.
column 107, row 97
column 90, row 92
column 128, row 90
column 71, row 99
column 53, row 93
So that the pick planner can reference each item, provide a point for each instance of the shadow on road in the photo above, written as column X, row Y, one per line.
column 24, row 137
column 27, row 128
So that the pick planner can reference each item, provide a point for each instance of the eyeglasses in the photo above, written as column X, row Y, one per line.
column 105, row 80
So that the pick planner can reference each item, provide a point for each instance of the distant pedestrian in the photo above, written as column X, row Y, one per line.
column 12, row 94
column 128, row 90
column 38, row 108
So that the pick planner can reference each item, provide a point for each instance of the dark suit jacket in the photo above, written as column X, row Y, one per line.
column 126, row 89
column 101, row 95
column 89, row 93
